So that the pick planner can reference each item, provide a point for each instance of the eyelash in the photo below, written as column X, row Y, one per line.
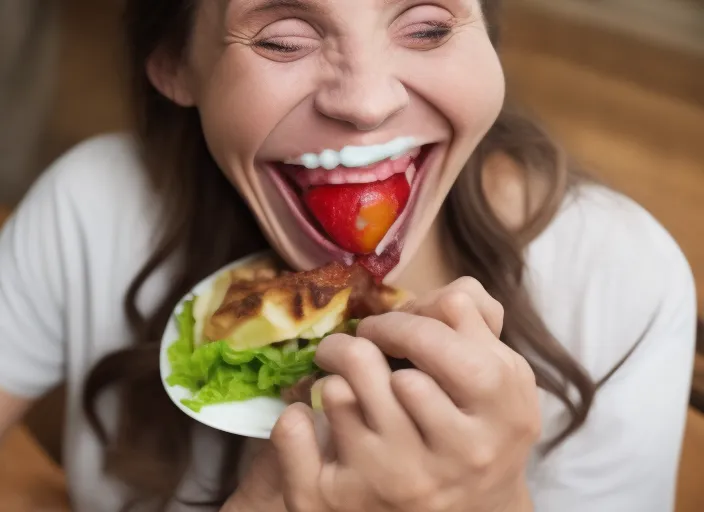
column 280, row 47
column 435, row 32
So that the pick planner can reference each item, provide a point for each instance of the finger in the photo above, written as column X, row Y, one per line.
column 345, row 488
column 466, row 371
column 458, row 310
column 342, row 410
column 367, row 373
column 463, row 305
column 298, row 451
column 437, row 417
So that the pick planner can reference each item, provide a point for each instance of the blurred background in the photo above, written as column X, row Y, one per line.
column 619, row 82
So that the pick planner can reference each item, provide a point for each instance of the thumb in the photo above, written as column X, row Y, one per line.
column 262, row 480
column 294, row 437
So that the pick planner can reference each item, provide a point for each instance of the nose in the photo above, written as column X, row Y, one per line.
column 364, row 94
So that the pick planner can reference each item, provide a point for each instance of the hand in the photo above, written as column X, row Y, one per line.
column 260, row 490
column 452, row 436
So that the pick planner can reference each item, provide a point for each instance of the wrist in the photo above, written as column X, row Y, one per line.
column 244, row 501
column 236, row 503
column 241, row 501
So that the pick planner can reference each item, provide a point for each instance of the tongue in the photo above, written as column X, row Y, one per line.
column 356, row 216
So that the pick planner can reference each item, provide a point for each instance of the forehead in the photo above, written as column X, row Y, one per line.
column 259, row 6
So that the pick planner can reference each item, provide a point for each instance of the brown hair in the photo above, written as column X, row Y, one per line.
column 151, row 449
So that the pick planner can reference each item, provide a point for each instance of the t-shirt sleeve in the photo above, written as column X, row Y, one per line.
column 33, row 286
column 626, row 456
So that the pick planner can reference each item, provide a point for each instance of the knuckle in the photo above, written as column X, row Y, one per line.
column 398, row 491
column 523, row 368
column 470, row 284
column 366, row 327
column 359, row 353
column 336, row 392
column 455, row 303
column 526, row 429
column 532, row 429
column 482, row 458
column 438, row 502
column 289, row 426
column 412, row 382
column 496, row 309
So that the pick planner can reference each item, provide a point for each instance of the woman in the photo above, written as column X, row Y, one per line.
column 563, row 274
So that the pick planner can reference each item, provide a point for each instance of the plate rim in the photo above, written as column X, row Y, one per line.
column 165, row 365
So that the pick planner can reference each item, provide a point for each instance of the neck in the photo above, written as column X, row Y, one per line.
column 431, row 266
column 504, row 186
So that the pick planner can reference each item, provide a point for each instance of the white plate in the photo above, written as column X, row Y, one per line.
column 249, row 418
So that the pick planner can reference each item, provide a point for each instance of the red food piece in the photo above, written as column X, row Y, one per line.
column 356, row 216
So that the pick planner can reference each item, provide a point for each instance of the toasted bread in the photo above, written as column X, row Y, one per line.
column 253, row 308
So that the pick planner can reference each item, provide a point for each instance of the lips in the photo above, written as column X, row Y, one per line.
column 355, row 214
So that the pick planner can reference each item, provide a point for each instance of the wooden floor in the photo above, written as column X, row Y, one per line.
column 645, row 137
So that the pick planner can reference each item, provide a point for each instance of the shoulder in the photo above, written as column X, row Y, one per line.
column 604, row 272
column 100, row 166
column 94, row 187
column 92, row 210
column 604, row 231
column 59, row 242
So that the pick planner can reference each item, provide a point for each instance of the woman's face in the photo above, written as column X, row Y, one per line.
column 343, row 123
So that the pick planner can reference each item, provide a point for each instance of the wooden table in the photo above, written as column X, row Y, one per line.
column 29, row 481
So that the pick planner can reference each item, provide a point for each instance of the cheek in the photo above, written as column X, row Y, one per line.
column 465, row 84
column 482, row 93
column 240, row 103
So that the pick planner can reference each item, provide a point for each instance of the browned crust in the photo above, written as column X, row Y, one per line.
column 301, row 292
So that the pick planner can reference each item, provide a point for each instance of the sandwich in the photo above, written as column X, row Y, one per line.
column 255, row 331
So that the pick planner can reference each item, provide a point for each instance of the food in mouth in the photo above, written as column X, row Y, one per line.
column 358, row 215
column 356, row 198
column 255, row 331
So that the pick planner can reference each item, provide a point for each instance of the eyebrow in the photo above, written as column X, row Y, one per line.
column 298, row 5
column 291, row 5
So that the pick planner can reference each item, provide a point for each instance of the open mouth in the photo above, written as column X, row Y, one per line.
column 353, row 212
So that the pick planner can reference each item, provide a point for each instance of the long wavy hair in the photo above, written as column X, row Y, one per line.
column 151, row 448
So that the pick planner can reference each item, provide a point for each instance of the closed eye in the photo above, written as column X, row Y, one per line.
column 432, row 33
column 278, row 46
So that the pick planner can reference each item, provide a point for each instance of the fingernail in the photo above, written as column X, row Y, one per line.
column 316, row 395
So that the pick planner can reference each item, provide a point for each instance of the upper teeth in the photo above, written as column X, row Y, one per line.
column 356, row 156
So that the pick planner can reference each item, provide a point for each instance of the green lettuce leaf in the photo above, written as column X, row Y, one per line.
column 215, row 373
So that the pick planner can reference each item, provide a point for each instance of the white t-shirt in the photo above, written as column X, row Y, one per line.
column 603, row 275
